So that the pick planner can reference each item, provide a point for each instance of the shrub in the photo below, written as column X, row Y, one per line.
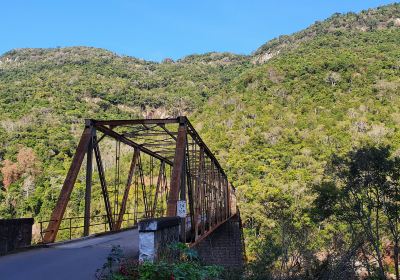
column 184, row 267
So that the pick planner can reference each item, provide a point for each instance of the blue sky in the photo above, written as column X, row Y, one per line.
column 156, row 29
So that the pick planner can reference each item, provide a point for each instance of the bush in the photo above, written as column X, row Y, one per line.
column 184, row 267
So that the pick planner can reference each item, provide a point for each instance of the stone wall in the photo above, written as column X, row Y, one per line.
column 224, row 246
column 155, row 235
column 15, row 233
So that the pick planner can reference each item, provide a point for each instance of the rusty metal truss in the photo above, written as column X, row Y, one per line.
column 170, row 165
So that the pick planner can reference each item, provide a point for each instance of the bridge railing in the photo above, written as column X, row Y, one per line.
column 72, row 227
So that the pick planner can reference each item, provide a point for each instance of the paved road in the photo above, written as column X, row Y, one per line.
column 75, row 260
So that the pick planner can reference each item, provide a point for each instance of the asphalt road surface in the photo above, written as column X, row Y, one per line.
column 75, row 260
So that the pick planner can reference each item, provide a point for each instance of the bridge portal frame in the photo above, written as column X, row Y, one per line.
column 197, row 177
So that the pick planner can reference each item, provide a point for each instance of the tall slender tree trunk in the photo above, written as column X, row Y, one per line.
column 396, row 258
column 381, row 268
column 366, row 261
column 377, row 236
column 374, row 240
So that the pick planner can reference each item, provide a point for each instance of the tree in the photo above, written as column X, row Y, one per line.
column 333, row 78
column 26, row 166
column 367, row 182
column 10, row 173
column 391, row 207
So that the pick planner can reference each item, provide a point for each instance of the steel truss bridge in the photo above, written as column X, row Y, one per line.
column 171, row 172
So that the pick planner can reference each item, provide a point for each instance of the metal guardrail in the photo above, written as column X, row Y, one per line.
column 98, row 220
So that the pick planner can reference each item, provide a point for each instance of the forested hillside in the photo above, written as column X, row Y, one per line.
column 278, row 125
column 275, row 119
column 47, row 93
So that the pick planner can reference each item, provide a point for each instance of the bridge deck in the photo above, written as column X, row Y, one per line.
column 74, row 260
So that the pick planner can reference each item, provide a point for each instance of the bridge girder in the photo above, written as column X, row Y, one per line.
column 196, row 176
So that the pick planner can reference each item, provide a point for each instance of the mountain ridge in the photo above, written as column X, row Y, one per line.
column 383, row 17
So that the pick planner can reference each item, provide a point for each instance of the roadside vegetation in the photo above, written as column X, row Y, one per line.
column 177, row 263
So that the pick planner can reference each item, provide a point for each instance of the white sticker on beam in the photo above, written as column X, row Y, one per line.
column 181, row 208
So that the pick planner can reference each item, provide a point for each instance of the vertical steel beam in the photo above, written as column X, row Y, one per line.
column 59, row 210
column 218, row 196
column 127, row 188
column 188, row 174
column 144, row 190
column 177, row 170
column 159, row 183
column 200, row 214
column 88, row 191
column 207, row 193
column 103, row 184
column 136, row 197
column 177, row 186
column 203, row 191
column 182, row 197
column 228, row 198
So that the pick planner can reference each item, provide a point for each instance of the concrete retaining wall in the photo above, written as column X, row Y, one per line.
column 224, row 246
column 155, row 235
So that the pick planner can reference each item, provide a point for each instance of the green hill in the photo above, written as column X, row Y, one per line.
column 278, row 124
column 385, row 17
